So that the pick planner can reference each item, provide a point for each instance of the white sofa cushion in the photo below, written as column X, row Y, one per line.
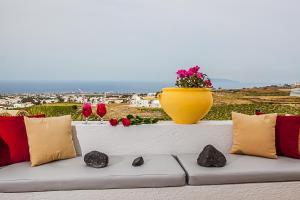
column 73, row 174
column 241, row 169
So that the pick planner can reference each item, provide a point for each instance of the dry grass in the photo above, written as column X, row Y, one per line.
column 122, row 110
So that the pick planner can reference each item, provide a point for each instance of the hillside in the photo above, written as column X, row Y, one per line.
column 267, row 99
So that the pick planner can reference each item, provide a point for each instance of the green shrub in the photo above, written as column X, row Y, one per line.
column 223, row 112
column 54, row 111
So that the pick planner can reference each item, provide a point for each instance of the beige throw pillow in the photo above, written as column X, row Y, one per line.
column 49, row 139
column 254, row 135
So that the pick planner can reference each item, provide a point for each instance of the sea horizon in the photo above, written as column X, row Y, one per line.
column 28, row 86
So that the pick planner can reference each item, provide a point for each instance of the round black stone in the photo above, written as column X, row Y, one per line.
column 211, row 157
column 96, row 159
column 138, row 161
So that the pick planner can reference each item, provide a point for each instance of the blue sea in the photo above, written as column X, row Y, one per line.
column 103, row 86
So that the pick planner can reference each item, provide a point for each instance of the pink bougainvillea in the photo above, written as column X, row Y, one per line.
column 192, row 78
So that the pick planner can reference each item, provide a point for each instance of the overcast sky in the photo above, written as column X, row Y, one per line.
column 248, row 40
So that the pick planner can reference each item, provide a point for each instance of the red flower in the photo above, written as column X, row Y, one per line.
column 113, row 122
column 126, row 122
column 208, row 83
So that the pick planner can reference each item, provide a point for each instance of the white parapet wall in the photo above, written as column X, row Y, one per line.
column 166, row 137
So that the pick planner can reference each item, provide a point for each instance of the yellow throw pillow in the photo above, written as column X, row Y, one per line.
column 49, row 139
column 254, row 135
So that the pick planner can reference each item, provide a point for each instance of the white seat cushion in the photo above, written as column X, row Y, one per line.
column 241, row 169
column 73, row 174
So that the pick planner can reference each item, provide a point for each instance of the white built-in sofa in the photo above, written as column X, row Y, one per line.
column 170, row 170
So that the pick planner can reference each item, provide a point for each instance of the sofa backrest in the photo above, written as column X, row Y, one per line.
column 162, row 138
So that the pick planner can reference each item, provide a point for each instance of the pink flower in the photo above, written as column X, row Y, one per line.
column 181, row 73
column 194, row 70
column 199, row 75
column 189, row 73
column 196, row 67
column 208, row 83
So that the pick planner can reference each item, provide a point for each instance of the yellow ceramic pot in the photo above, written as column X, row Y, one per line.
column 186, row 105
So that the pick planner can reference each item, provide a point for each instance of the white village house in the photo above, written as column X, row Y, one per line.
column 23, row 105
column 147, row 102
column 296, row 91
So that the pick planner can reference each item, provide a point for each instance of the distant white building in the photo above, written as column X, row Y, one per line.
column 137, row 101
column 28, row 104
column 295, row 92
column 3, row 101
column 65, row 98
column 19, row 105
column 151, row 94
column 94, row 100
column 51, row 101
column 23, row 105
column 147, row 102
column 155, row 103
column 79, row 99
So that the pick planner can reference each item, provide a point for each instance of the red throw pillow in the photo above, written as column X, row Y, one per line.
column 13, row 134
column 287, row 136
column 4, row 153
column 287, row 132
column 13, row 140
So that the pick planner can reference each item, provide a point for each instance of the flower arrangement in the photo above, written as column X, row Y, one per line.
column 132, row 120
column 192, row 78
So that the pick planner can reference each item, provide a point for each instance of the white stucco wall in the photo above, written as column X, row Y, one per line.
column 162, row 138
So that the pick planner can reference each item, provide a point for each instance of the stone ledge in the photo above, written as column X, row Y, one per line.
column 160, row 123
